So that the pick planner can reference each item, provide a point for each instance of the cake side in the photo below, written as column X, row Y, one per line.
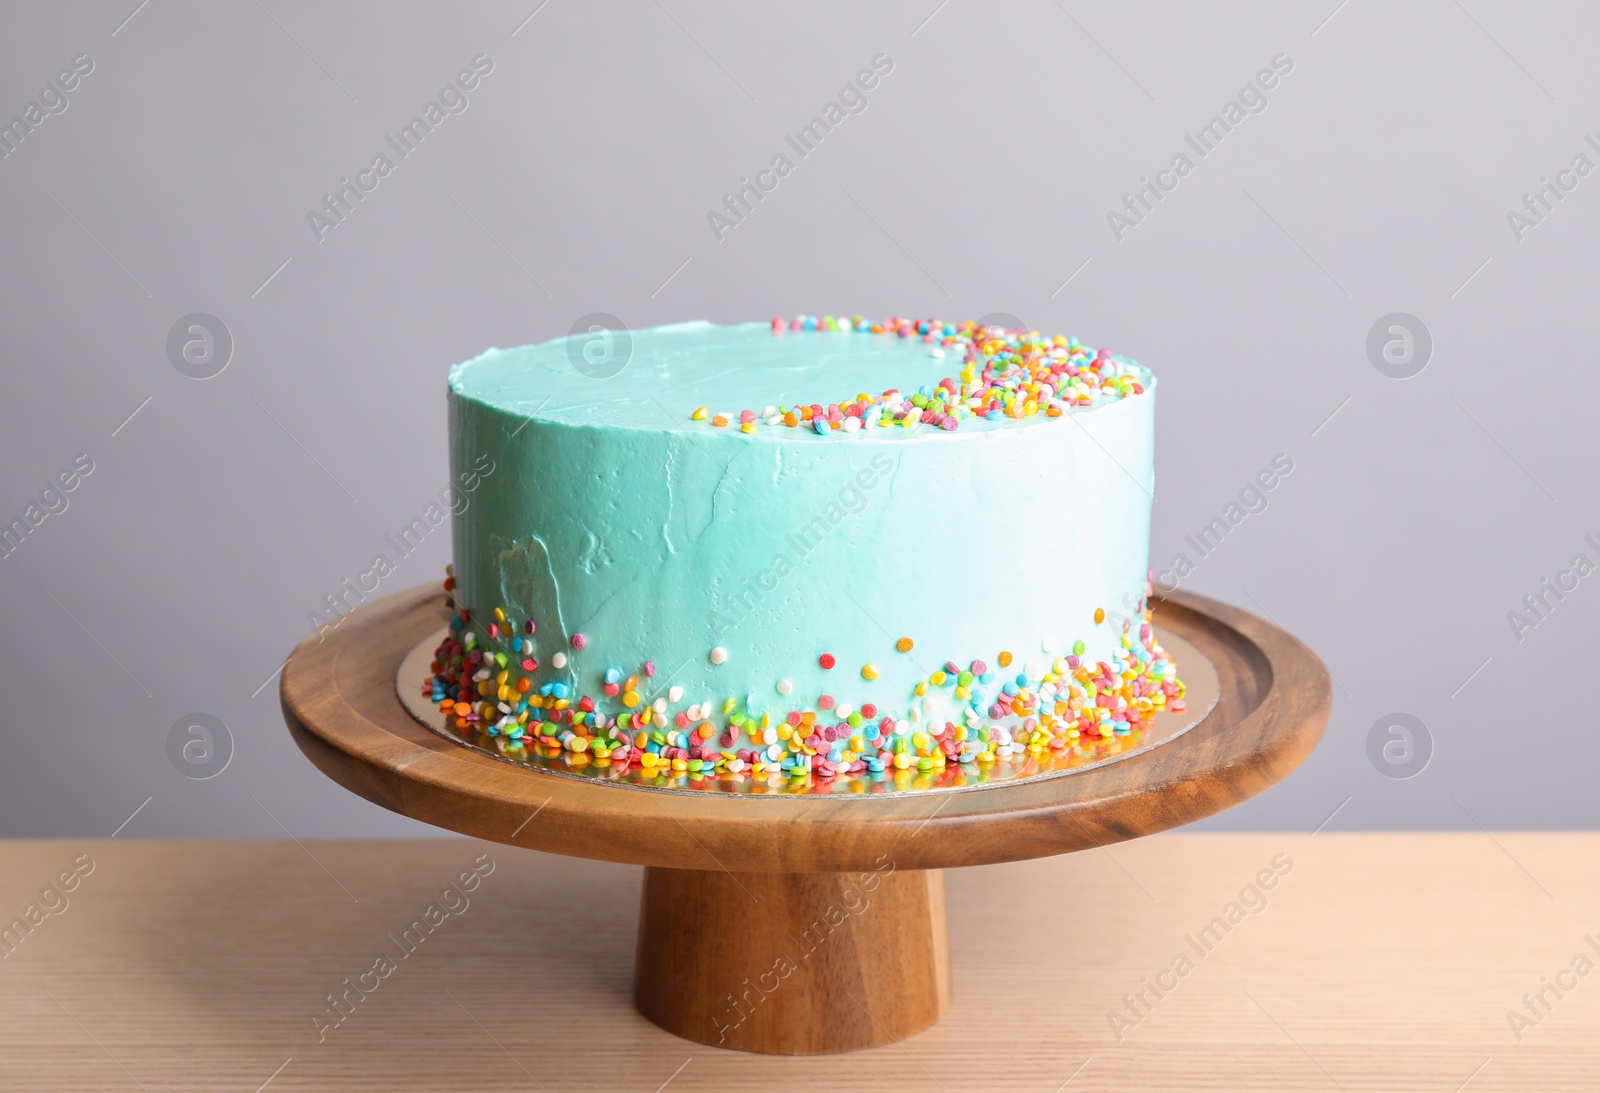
column 809, row 600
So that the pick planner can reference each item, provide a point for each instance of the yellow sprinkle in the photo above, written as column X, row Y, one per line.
column 748, row 427
column 869, row 671
column 699, row 415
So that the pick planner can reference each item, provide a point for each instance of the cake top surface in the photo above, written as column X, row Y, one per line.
column 801, row 377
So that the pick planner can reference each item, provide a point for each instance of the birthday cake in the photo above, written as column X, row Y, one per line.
column 802, row 551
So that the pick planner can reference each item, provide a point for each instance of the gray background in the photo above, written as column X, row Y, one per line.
column 579, row 178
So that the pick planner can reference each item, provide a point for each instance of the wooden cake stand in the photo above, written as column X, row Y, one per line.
column 801, row 924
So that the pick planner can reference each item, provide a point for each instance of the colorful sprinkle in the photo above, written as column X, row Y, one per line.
column 1004, row 373
column 1099, row 615
column 1049, row 715
column 579, row 641
column 904, row 645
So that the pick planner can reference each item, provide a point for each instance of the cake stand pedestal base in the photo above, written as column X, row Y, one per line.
column 793, row 963
column 791, row 923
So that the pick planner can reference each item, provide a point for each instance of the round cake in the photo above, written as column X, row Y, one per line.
column 802, row 550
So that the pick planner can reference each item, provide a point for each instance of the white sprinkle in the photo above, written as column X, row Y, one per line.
column 659, row 706
column 851, row 424
column 843, row 710
column 785, row 686
column 1048, row 645
column 719, row 655
column 937, row 353
column 674, row 694
column 558, row 661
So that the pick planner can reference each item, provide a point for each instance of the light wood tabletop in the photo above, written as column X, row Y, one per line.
column 1265, row 962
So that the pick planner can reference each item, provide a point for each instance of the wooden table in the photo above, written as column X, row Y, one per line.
column 1377, row 962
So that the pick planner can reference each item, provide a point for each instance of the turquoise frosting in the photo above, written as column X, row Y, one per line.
column 606, row 511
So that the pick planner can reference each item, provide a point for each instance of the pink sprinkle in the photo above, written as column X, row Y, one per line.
column 777, row 324
column 747, row 415
column 579, row 641
column 825, row 702
column 979, row 667
column 650, row 668
column 529, row 627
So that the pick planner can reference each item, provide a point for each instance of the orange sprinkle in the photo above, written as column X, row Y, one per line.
column 1099, row 615
column 904, row 645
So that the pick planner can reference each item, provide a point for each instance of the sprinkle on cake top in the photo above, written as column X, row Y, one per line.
column 1006, row 373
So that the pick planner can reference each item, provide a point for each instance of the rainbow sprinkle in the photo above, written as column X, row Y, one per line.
column 1004, row 373
column 1064, row 713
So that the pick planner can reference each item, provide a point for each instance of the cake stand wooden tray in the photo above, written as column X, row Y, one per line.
column 811, row 924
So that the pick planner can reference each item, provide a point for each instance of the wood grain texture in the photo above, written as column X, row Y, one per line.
column 793, row 963
column 338, row 698
column 1380, row 963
